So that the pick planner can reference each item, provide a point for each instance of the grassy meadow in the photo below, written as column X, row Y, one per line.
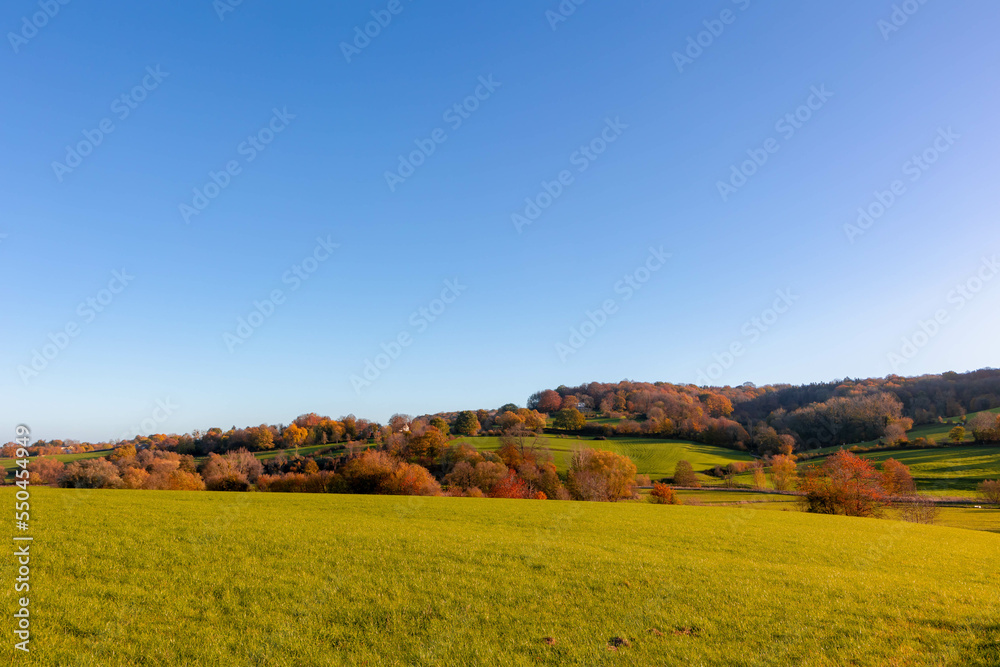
column 654, row 457
column 200, row 578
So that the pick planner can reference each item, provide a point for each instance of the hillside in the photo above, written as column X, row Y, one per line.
column 652, row 456
column 140, row 577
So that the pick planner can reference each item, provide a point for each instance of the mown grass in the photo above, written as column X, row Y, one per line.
column 654, row 457
column 189, row 578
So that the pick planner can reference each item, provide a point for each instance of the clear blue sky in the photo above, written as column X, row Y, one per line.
column 555, row 90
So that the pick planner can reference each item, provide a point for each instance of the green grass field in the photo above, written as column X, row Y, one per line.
column 653, row 457
column 199, row 578
column 946, row 471
column 984, row 518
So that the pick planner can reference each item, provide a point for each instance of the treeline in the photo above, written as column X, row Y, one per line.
column 770, row 419
column 407, row 457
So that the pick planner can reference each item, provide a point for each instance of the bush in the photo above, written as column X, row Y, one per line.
column 232, row 481
column 91, row 474
column 663, row 495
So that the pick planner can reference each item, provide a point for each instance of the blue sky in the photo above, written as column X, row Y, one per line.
column 609, row 68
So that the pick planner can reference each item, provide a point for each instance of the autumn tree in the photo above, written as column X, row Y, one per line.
column 509, row 421
column 717, row 405
column 126, row 451
column 259, row 438
column 293, row 436
column 845, row 484
column 547, row 401
column 684, row 475
column 601, row 475
column 897, row 480
column 784, row 472
column 957, row 434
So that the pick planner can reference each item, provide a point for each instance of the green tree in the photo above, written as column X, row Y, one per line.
column 957, row 434
column 684, row 475
column 570, row 419
column 467, row 423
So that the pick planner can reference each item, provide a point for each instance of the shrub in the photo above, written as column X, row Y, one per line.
column 664, row 495
column 232, row 481
column 91, row 474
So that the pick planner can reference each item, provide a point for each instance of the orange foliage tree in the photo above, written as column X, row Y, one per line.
column 845, row 484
